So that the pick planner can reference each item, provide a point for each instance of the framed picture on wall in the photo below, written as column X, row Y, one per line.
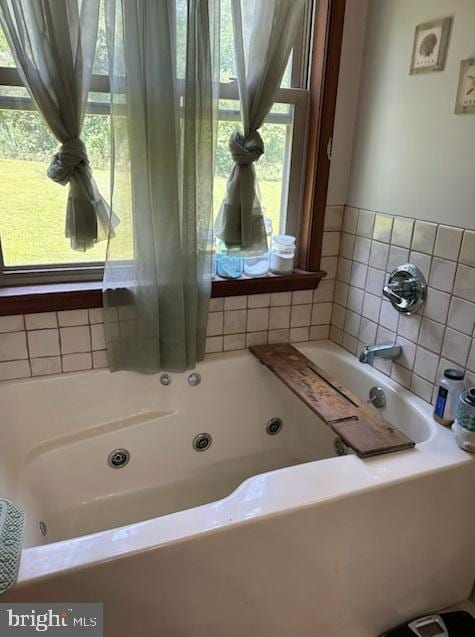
column 431, row 43
column 466, row 91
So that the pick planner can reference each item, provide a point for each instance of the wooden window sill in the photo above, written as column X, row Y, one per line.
column 27, row 299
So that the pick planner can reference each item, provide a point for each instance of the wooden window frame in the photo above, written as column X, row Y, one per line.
column 322, row 83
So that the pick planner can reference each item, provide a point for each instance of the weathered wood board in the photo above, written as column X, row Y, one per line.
column 367, row 433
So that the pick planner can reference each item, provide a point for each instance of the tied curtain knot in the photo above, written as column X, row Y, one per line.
column 71, row 155
column 246, row 150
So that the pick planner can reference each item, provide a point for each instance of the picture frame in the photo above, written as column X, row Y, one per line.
column 431, row 43
column 465, row 102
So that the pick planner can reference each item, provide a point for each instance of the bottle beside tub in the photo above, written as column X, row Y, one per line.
column 464, row 426
column 451, row 385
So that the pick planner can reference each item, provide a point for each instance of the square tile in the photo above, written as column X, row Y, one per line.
column 44, row 343
column 358, row 274
column 402, row 232
column 462, row 316
column 409, row 326
column 383, row 225
column 437, row 305
column 375, row 281
column 379, row 254
column 350, row 343
column 324, row 292
column 383, row 365
column 447, row 243
column 234, row 342
column 279, row 318
column 214, row 344
column 397, row 256
column 68, row 318
column 344, row 270
column 341, row 293
column 96, row 315
column 99, row 359
column 467, row 254
column 431, row 335
column 371, row 306
column 97, row 336
column 256, row 338
column 423, row 238
column 362, row 249
column 46, row 366
column 12, row 323
column 333, row 217
column 321, row 313
column 216, row 305
column 365, row 224
column 235, row 302
column 388, row 317
column 234, row 321
column 442, row 274
column 401, row 375
column 456, row 346
column 422, row 388
column 421, row 261
column 302, row 297
column 367, row 333
column 77, row 362
column 41, row 320
column 300, row 315
column 258, row 300
column 280, row 298
column 347, row 245
column 329, row 265
column 352, row 323
column 336, row 335
column 465, row 282
column 278, row 336
column 12, row 370
column 408, row 353
column 426, row 364
column 350, row 219
column 355, row 299
column 258, row 319
column 299, row 334
column 75, row 340
column 319, row 332
column 330, row 244
column 215, row 323
column 338, row 316
column 471, row 357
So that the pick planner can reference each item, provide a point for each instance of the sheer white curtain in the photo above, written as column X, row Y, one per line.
column 264, row 33
column 163, row 69
column 53, row 43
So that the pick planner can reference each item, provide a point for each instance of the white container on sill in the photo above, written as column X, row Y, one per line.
column 282, row 254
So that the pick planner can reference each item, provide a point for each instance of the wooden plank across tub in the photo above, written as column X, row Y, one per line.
column 366, row 432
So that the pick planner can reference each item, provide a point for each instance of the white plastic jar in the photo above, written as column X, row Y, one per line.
column 282, row 254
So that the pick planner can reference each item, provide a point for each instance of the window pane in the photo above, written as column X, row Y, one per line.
column 270, row 169
column 6, row 57
column 33, row 208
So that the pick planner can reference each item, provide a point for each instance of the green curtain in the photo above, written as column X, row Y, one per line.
column 164, row 69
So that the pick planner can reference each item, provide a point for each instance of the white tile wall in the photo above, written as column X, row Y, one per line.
column 442, row 334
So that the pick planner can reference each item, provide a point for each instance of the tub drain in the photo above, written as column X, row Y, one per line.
column 273, row 426
column 202, row 442
column 118, row 458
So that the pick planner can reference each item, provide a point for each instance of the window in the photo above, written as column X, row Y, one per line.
column 32, row 207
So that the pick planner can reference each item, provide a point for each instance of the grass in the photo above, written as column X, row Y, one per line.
column 32, row 215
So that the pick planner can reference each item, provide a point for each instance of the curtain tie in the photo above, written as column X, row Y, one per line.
column 63, row 164
column 245, row 150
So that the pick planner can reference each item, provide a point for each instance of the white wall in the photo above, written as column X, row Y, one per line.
column 347, row 101
column 412, row 155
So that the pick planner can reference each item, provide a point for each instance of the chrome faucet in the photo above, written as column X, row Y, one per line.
column 380, row 350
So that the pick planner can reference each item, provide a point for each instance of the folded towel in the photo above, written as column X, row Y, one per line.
column 12, row 529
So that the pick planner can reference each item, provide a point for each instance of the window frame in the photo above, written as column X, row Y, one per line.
column 315, row 69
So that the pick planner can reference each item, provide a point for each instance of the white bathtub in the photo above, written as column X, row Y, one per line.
column 259, row 535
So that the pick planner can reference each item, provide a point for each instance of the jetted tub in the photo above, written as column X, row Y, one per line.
column 257, row 535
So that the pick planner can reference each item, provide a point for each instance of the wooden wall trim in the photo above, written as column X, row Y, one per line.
column 325, row 67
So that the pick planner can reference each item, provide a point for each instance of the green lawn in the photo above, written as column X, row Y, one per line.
column 32, row 214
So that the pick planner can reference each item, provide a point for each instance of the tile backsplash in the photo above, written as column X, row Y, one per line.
column 441, row 334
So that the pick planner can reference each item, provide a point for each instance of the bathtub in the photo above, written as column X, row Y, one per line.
column 257, row 535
